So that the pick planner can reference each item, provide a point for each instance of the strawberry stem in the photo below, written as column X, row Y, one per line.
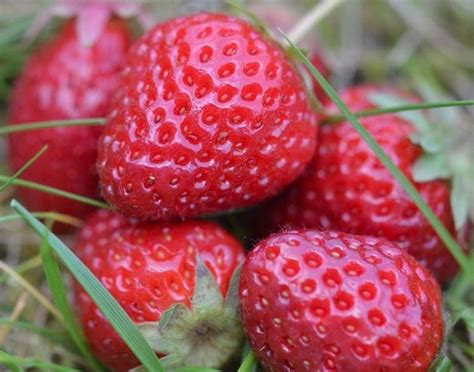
column 51, row 124
column 401, row 108
column 54, row 191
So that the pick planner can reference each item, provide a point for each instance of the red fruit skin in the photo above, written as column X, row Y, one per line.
column 64, row 80
column 322, row 301
column 347, row 188
column 209, row 116
column 147, row 268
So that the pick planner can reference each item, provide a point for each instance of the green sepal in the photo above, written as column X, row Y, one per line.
column 448, row 154
column 231, row 302
column 427, row 135
column 430, row 167
column 205, row 334
column 459, row 201
column 206, row 292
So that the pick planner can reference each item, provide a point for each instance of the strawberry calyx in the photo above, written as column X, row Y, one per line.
column 207, row 333
column 448, row 153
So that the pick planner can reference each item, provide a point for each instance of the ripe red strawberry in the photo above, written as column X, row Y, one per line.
column 149, row 268
column 209, row 116
column 319, row 301
column 347, row 188
column 65, row 80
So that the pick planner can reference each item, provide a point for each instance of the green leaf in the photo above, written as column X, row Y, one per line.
column 425, row 135
column 459, row 201
column 430, row 167
column 58, row 292
column 441, row 364
column 17, row 363
column 434, row 221
column 194, row 369
column 23, row 168
column 466, row 315
column 249, row 364
column 55, row 191
column 111, row 309
column 50, row 124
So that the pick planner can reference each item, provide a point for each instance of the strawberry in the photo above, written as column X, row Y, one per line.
column 347, row 188
column 65, row 80
column 151, row 270
column 210, row 115
column 319, row 301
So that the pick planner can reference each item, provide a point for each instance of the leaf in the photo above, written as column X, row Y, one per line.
column 441, row 364
column 434, row 221
column 58, row 292
column 459, row 201
column 112, row 311
column 466, row 315
column 249, row 364
column 430, row 167
column 426, row 134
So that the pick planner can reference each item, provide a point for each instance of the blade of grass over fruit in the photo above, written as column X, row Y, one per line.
column 112, row 311
column 52, row 190
column 401, row 108
column 6, row 129
column 56, row 217
column 249, row 364
column 31, row 290
column 58, row 293
column 444, row 235
column 23, row 168
column 19, row 363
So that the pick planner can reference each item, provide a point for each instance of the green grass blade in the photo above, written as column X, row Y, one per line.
column 444, row 235
column 56, row 217
column 249, row 364
column 12, row 361
column 23, row 168
column 112, row 311
column 7, row 129
column 194, row 369
column 58, row 293
column 401, row 108
column 57, row 337
column 54, row 191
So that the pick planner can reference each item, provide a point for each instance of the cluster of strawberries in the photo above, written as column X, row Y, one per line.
column 205, row 115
